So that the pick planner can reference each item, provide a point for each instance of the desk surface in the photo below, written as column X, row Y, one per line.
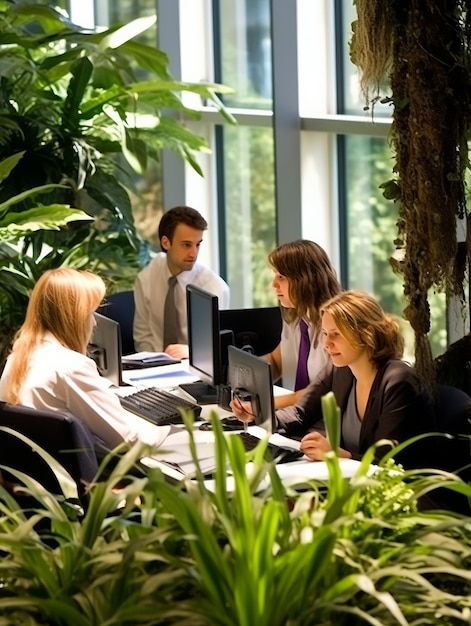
column 174, row 440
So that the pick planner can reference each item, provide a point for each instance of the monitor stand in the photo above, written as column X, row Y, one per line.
column 201, row 392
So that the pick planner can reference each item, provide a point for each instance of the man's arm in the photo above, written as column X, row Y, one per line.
column 221, row 289
column 225, row 297
column 143, row 338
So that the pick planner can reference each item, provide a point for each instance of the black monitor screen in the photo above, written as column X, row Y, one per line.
column 251, row 374
column 255, row 330
column 105, row 348
column 203, row 335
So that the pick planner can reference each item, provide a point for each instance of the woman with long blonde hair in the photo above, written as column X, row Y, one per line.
column 48, row 367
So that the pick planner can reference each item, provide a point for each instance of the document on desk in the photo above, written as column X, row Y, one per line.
column 174, row 457
column 296, row 474
column 305, row 469
column 148, row 359
column 176, row 451
column 164, row 376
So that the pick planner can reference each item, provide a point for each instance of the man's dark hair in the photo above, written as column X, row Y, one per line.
column 180, row 215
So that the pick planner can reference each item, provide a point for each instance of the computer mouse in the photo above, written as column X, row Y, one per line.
column 227, row 423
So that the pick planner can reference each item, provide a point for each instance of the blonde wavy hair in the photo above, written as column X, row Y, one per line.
column 362, row 321
column 61, row 303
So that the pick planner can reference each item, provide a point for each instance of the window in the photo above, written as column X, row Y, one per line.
column 249, row 213
column 250, row 196
column 245, row 51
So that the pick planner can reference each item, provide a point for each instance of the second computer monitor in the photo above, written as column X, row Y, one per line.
column 255, row 330
column 105, row 348
column 250, row 376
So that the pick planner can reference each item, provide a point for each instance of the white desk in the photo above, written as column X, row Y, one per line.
column 174, row 445
column 175, row 450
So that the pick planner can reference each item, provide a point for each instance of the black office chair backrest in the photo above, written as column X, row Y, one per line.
column 255, row 330
column 120, row 307
column 452, row 416
column 63, row 436
column 453, row 410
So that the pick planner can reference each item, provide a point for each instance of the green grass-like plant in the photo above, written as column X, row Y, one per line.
column 242, row 549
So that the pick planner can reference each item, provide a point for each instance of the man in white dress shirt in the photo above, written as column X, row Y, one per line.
column 180, row 234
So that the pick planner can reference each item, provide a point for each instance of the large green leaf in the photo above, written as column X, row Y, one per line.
column 49, row 20
column 51, row 217
column 4, row 206
column 154, row 61
column 92, row 106
column 81, row 72
column 127, row 32
column 332, row 419
column 8, row 164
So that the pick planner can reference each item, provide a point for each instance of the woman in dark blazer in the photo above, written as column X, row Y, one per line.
column 379, row 395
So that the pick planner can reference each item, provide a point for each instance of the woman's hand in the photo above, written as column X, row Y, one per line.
column 314, row 445
column 242, row 410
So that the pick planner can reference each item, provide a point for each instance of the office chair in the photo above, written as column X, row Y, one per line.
column 453, row 416
column 63, row 436
column 255, row 330
column 120, row 307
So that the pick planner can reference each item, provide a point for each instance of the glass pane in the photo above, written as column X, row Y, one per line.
column 55, row 4
column 246, row 52
column 315, row 34
column 371, row 229
column 146, row 201
column 249, row 214
column 126, row 10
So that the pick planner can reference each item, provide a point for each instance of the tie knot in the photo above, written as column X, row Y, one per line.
column 172, row 281
column 303, row 327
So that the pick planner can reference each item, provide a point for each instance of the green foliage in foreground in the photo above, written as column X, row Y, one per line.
column 244, row 549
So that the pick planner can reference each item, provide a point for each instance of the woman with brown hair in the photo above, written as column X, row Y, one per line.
column 379, row 395
column 303, row 280
column 48, row 368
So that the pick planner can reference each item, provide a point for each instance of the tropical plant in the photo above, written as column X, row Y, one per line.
column 17, row 269
column 241, row 549
column 88, row 112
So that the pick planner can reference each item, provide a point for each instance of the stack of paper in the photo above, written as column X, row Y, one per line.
column 147, row 359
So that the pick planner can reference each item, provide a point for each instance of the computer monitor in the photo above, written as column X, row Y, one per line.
column 255, row 330
column 251, row 376
column 105, row 348
column 207, row 352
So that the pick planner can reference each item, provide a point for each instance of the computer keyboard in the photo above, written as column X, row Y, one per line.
column 158, row 406
column 280, row 454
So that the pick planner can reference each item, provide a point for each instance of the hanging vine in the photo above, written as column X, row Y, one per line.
column 422, row 48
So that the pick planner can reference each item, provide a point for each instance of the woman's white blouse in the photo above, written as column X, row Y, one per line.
column 60, row 379
column 290, row 338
